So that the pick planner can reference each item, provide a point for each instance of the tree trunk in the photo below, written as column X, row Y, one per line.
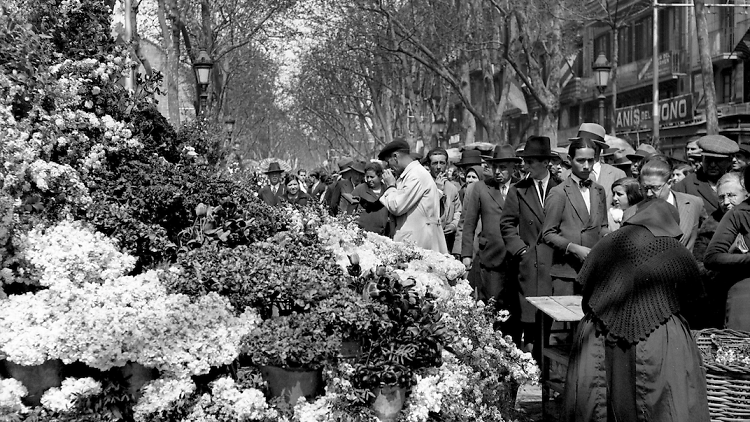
column 467, row 119
column 707, row 69
column 548, row 123
column 171, row 73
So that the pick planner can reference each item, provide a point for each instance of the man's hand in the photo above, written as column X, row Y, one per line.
column 467, row 263
column 580, row 251
column 388, row 178
column 449, row 228
column 440, row 181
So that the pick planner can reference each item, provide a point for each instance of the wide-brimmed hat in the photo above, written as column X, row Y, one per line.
column 643, row 151
column 391, row 147
column 609, row 151
column 594, row 132
column 354, row 165
column 504, row 153
column 537, row 146
column 274, row 167
column 471, row 157
column 717, row 146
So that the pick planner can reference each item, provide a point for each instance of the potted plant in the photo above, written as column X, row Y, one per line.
column 406, row 336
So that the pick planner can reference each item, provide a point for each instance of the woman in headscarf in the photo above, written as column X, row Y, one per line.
column 633, row 357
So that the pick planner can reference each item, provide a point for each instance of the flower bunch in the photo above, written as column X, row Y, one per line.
column 479, row 345
column 120, row 320
column 228, row 403
column 71, row 251
column 11, row 392
column 63, row 398
column 161, row 395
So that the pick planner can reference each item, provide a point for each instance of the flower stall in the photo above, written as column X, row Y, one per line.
column 138, row 283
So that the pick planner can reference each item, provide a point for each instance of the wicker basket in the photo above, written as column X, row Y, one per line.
column 728, row 385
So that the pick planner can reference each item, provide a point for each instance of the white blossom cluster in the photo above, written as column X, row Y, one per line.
column 228, row 400
column 63, row 398
column 11, row 392
column 160, row 395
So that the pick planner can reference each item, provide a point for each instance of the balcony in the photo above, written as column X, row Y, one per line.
column 640, row 74
column 572, row 91
column 721, row 45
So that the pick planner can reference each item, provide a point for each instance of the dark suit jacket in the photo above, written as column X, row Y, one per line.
column 696, row 184
column 317, row 191
column 485, row 202
column 521, row 225
column 301, row 199
column 339, row 203
column 566, row 220
column 269, row 198
column 690, row 209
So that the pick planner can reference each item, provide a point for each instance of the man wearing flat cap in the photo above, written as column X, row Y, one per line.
column 413, row 198
column 717, row 152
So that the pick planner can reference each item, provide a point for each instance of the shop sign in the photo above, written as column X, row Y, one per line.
column 671, row 110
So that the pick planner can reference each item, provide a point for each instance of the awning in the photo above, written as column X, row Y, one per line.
column 743, row 47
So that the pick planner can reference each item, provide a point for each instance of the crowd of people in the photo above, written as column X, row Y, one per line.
column 643, row 237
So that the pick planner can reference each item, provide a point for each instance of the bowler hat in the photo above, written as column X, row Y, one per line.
column 397, row 145
column 471, row 157
column 537, row 146
column 274, row 167
column 643, row 151
column 594, row 132
column 504, row 153
column 717, row 146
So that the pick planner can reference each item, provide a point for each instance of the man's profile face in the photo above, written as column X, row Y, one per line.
column 438, row 164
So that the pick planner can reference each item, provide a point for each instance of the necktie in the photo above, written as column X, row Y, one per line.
column 541, row 190
column 585, row 183
column 502, row 190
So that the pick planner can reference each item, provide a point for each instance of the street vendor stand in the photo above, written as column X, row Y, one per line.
column 566, row 310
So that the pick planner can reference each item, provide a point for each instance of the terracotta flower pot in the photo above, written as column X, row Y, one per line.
column 291, row 384
column 351, row 349
column 389, row 401
column 37, row 378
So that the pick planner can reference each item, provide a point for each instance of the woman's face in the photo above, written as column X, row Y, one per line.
column 372, row 179
column 471, row 177
column 677, row 175
column 620, row 198
column 292, row 187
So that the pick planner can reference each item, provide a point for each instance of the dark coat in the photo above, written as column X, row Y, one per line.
column 339, row 203
column 373, row 215
column 486, row 202
column 317, row 191
column 568, row 221
column 269, row 198
column 301, row 199
column 696, row 184
column 521, row 224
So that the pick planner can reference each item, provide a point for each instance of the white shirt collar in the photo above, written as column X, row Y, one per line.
column 597, row 167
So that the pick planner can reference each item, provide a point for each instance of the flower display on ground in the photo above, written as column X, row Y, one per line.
column 228, row 403
column 11, row 392
column 63, row 398
column 160, row 396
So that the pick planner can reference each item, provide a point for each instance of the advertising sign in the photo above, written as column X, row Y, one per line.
column 671, row 110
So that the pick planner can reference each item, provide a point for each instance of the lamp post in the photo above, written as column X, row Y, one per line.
column 202, row 67
column 601, row 68
column 229, row 127
column 439, row 126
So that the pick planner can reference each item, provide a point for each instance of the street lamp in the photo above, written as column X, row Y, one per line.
column 229, row 126
column 601, row 68
column 202, row 67
column 439, row 126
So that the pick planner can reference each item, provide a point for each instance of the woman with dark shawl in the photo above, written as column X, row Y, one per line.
column 633, row 357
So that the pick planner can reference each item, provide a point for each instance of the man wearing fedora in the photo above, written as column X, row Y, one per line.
column 486, row 201
column 602, row 173
column 412, row 198
column 521, row 225
column 271, row 193
column 351, row 176
column 717, row 153
column 638, row 157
